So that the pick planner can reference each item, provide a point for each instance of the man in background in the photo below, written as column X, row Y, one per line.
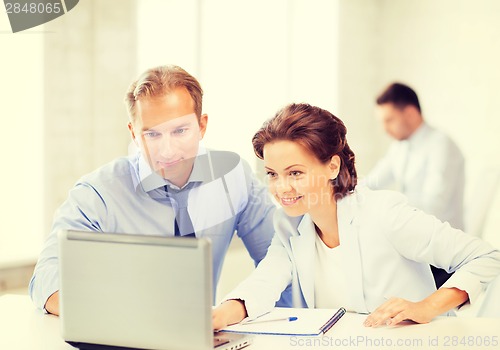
column 423, row 163
column 168, row 186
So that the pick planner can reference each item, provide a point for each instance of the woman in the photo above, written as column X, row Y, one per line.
column 340, row 245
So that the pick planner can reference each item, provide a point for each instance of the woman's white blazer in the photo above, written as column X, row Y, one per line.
column 387, row 247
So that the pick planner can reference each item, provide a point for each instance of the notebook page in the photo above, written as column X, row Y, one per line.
column 308, row 323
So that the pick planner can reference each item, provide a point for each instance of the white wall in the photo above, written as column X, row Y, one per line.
column 90, row 54
column 243, row 69
column 251, row 58
column 359, row 61
column 21, row 97
column 167, row 33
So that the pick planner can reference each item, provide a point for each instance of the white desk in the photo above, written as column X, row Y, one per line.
column 24, row 327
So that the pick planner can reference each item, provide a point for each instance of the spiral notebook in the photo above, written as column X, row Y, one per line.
column 309, row 322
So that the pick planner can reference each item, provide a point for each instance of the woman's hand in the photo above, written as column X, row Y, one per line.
column 229, row 312
column 396, row 310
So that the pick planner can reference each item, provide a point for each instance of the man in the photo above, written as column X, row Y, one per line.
column 169, row 187
column 423, row 163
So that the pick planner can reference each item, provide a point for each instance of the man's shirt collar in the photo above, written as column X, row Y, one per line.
column 150, row 180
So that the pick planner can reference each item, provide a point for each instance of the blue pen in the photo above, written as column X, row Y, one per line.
column 289, row 319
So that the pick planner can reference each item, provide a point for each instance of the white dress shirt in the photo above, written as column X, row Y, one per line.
column 428, row 168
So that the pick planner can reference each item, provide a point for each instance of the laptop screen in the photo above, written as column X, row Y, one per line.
column 136, row 290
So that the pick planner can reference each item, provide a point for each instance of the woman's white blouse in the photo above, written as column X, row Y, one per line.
column 330, row 287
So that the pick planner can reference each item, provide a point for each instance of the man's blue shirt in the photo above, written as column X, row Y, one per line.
column 124, row 196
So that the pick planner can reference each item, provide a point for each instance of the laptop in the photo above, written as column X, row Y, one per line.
column 121, row 291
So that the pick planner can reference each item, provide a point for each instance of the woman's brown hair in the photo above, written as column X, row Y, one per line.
column 320, row 132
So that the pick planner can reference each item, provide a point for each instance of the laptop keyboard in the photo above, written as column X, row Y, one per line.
column 219, row 342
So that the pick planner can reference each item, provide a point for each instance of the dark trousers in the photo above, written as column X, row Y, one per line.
column 440, row 276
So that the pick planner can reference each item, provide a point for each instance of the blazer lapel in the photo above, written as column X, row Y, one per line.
column 303, row 248
column 351, row 257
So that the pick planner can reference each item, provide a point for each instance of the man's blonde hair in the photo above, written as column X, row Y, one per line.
column 160, row 81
